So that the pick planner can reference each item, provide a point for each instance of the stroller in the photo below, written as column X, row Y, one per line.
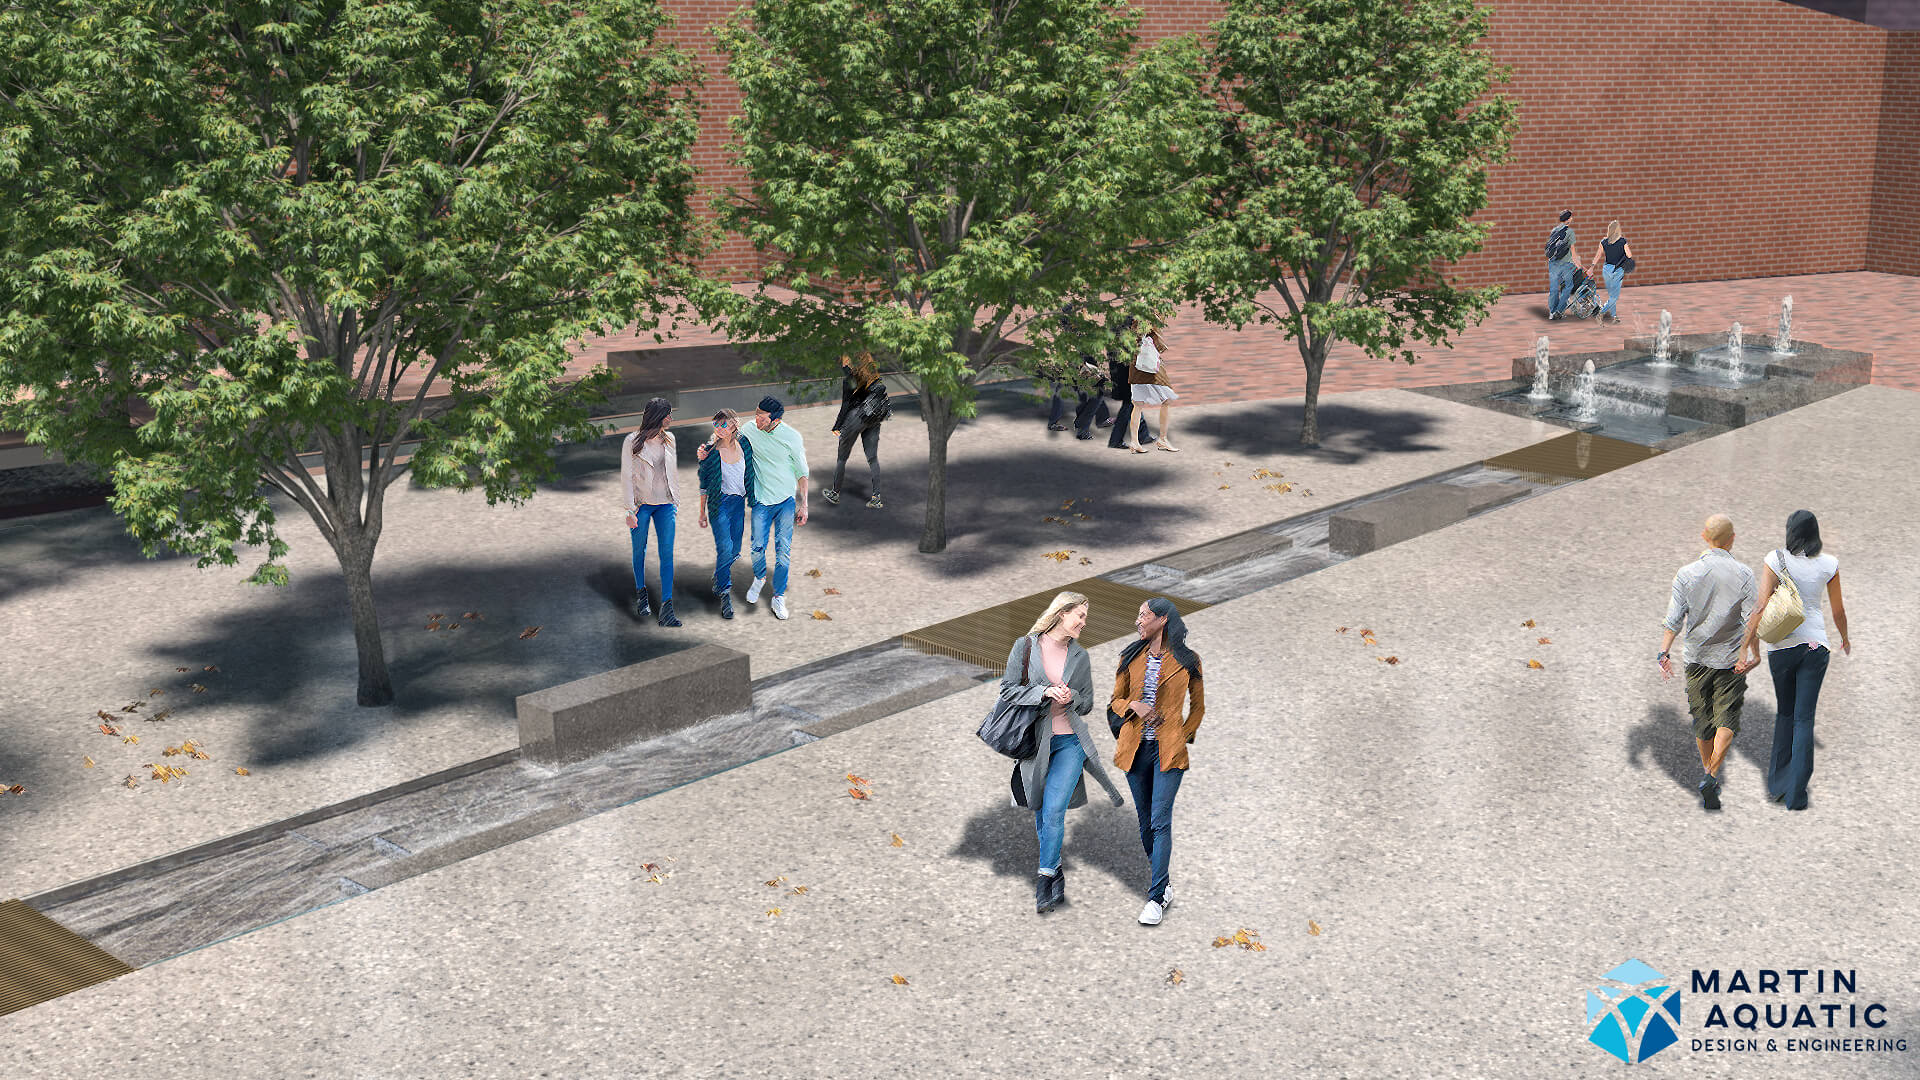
column 1585, row 302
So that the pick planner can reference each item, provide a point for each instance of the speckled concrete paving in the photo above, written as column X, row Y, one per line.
column 1478, row 841
column 281, row 704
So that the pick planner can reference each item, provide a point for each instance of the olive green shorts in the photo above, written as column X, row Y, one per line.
column 1714, row 697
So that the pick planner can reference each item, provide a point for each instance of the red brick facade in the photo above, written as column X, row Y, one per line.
column 1731, row 138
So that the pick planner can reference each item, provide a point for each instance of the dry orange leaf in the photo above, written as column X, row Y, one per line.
column 155, row 692
column 453, row 626
column 240, row 771
column 815, row 572
column 474, row 615
column 433, row 626
column 1084, row 517
column 1265, row 474
column 1281, row 488
column 161, row 715
column 17, row 789
column 126, row 739
column 211, row 667
column 1306, row 491
column 1224, row 487
column 1059, row 556
column 1390, row 661
column 529, row 632
column 1339, row 629
column 1313, row 928
column 658, row 879
column 1084, row 561
column 856, row 793
column 170, row 751
column 649, row 867
column 832, row 592
column 89, row 763
column 104, row 715
column 1365, row 632
column 198, row 689
column 852, row 779
column 897, row 842
column 821, row 615
column 1368, row 638
column 181, row 669
column 1546, row 641
column 1529, row 622
column 797, row 890
column 108, row 729
column 135, row 707
column 131, row 781
column 437, row 615
column 1535, row 664
column 775, row 883
column 899, row 980
column 1175, row 978
column 773, row 912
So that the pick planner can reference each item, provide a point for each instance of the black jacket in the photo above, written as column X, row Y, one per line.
column 850, row 397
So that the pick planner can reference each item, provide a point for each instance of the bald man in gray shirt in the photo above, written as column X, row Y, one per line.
column 1712, row 598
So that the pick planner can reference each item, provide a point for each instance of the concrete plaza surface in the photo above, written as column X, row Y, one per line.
column 1479, row 842
column 86, row 624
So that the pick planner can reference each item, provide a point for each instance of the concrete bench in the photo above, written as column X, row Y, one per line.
column 576, row 720
column 1207, row 558
column 1374, row 525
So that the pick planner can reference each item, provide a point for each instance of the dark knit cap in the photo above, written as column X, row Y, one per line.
column 1565, row 214
column 772, row 407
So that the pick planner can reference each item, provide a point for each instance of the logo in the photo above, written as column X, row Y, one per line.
column 1624, row 1015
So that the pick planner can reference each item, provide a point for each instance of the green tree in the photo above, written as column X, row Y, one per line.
column 1357, row 135
column 282, row 226
column 934, row 176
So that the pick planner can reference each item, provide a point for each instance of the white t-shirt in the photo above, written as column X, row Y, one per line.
column 1810, row 576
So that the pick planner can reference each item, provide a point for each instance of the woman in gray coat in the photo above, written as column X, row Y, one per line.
column 1059, row 679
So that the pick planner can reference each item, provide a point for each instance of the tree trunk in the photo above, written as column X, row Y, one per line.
column 938, row 411
column 356, row 563
column 1316, row 358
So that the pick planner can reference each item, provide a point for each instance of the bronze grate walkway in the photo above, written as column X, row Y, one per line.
column 1581, row 455
column 985, row 637
column 41, row 960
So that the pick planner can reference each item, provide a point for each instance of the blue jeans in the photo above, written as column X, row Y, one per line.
column 1561, row 274
column 1612, row 275
column 1050, row 813
column 661, row 514
column 777, row 520
column 1797, row 675
column 729, row 519
column 1153, row 793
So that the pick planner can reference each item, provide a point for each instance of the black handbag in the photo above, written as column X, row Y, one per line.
column 1009, row 728
column 1626, row 265
column 874, row 405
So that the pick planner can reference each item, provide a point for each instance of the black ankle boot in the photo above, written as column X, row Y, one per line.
column 1059, row 894
column 726, row 605
column 666, row 614
column 641, row 607
column 1043, row 894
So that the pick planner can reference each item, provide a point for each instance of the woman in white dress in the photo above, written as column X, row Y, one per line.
column 1150, row 387
column 1798, row 661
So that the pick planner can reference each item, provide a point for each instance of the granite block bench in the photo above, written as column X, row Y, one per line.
column 576, row 720
column 1374, row 525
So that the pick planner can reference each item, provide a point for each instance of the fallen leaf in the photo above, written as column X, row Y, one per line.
column 772, row 912
column 241, row 771
column 125, row 739
column 1390, row 661
column 897, row 842
column 200, row 755
column 815, row 572
column 1068, row 505
column 133, row 708
column 182, row 669
column 161, row 715
column 170, row 751
column 1368, row 638
column 529, row 632
column 1313, row 928
column 131, row 781
column 1175, row 978
column 89, row 763
column 453, row 626
column 17, row 789
column 109, row 729
column 899, row 980
column 1221, row 943
column 104, row 715
column 1059, row 556
column 433, row 626
column 1529, row 622
column 1084, row 561
column 832, row 592
column 649, row 867
column 1546, row 641
column 1366, row 633
column 211, row 667
column 1084, row 517
column 1304, row 491
column 659, row 879
column 856, row 793
column 1339, row 629
column 1535, row 664
column 436, row 616
column 1224, row 487
column 474, row 615
column 852, row 779
column 198, row 689
column 1281, row 488
column 1266, row 474
column 797, row 890
column 821, row 615
column 155, row 692
column 775, row 883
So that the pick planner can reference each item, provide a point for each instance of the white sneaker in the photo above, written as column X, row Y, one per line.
column 753, row 591
column 779, row 606
column 1151, row 914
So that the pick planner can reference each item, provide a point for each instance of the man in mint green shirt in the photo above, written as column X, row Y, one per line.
column 780, row 494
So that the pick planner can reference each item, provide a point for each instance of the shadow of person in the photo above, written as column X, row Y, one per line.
column 1667, row 737
column 1100, row 837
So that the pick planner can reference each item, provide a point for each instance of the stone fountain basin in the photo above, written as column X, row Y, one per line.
column 1811, row 372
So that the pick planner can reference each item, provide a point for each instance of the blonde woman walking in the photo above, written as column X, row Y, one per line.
column 1614, row 257
column 1058, row 676
column 1148, row 380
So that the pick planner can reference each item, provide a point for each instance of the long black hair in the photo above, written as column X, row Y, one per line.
column 1803, row 534
column 1175, row 634
column 652, row 420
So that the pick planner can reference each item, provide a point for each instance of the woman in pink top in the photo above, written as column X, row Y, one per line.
column 1059, row 678
column 648, row 462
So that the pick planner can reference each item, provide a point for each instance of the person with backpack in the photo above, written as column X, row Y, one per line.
column 863, row 407
column 1050, row 668
column 1562, row 273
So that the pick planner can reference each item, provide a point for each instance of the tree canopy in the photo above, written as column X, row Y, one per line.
column 1358, row 135
column 936, row 175
column 281, row 227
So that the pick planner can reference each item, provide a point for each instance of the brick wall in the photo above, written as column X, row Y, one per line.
column 735, row 259
column 1893, row 232
column 1731, row 138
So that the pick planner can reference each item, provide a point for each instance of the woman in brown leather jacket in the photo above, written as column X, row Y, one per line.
column 1158, row 680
